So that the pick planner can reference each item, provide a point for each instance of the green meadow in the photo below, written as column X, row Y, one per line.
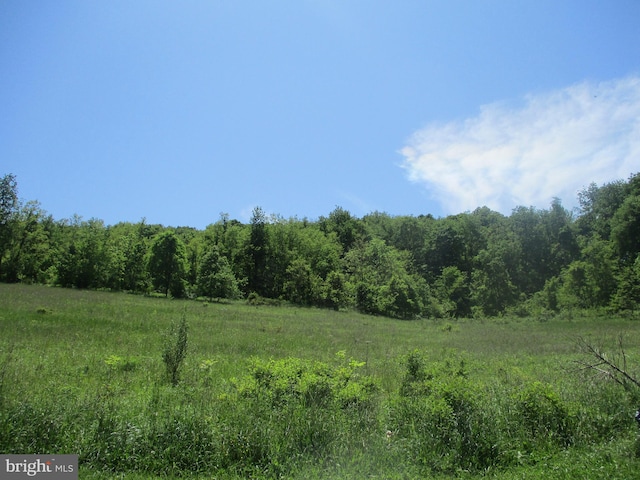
column 288, row 392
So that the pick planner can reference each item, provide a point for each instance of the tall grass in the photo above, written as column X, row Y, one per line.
column 268, row 392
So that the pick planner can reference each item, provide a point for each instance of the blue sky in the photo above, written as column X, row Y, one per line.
column 178, row 111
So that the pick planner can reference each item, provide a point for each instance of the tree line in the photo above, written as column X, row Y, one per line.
column 479, row 263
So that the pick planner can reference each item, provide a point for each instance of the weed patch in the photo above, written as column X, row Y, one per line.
column 175, row 350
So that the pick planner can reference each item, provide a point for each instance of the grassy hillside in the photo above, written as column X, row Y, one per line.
column 304, row 393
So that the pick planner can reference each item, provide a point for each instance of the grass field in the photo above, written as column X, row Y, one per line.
column 285, row 392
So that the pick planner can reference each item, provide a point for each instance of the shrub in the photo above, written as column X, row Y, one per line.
column 307, row 409
column 440, row 415
column 310, row 383
column 256, row 300
column 175, row 350
column 545, row 416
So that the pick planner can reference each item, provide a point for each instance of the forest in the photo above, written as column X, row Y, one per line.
column 474, row 264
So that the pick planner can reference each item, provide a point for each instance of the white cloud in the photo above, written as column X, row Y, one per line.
column 551, row 145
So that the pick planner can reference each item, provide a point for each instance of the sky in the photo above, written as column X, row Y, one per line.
column 177, row 112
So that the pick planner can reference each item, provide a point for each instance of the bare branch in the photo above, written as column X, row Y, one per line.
column 612, row 368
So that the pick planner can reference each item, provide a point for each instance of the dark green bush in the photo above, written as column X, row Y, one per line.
column 441, row 417
column 546, row 418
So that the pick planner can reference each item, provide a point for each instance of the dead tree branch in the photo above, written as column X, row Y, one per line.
column 611, row 367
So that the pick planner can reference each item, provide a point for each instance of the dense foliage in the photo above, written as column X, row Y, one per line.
column 480, row 263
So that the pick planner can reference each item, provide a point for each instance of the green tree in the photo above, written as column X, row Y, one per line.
column 127, row 250
column 591, row 281
column 410, row 234
column 492, row 285
column 192, row 240
column 453, row 292
column 383, row 281
column 232, row 239
column 625, row 228
column 334, row 291
column 215, row 277
column 311, row 256
column 452, row 242
column 8, row 206
column 598, row 205
column 282, row 244
column 8, row 197
column 302, row 285
column 549, row 296
column 257, row 254
column 560, row 228
column 167, row 264
column 346, row 227
column 83, row 260
column 409, row 293
column 135, row 277
column 30, row 254
column 534, row 249
column 627, row 295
